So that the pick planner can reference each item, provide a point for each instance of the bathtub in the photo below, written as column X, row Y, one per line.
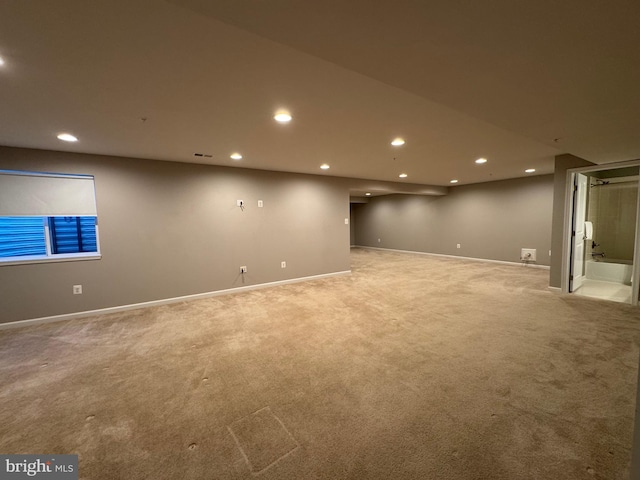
column 609, row 270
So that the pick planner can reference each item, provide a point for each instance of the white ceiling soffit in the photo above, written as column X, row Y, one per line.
column 155, row 80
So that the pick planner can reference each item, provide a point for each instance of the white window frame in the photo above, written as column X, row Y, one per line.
column 61, row 206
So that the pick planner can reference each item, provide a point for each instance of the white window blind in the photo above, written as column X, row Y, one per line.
column 44, row 194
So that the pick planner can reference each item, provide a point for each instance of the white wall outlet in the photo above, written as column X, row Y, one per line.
column 457, row 245
column 243, row 269
column 283, row 264
column 378, row 240
column 77, row 289
column 528, row 254
column 239, row 203
column 346, row 221
column 260, row 204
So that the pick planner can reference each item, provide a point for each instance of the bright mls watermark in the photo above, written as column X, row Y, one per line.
column 50, row 467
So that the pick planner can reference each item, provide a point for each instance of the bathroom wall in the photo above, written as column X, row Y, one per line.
column 612, row 210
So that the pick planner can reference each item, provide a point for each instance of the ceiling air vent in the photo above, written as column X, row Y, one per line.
column 205, row 155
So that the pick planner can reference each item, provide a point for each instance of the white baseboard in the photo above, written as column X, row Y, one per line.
column 555, row 289
column 164, row 301
column 486, row 260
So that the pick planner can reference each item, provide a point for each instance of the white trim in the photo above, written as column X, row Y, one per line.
column 635, row 272
column 165, row 301
column 27, row 173
column 47, row 244
column 54, row 258
column 486, row 260
column 566, row 230
column 555, row 289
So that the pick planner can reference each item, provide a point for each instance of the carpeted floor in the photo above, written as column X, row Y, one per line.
column 413, row 367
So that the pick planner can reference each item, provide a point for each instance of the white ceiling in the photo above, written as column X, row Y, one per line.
column 513, row 81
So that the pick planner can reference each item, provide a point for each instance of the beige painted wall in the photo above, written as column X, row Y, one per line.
column 173, row 229
column 491, row 220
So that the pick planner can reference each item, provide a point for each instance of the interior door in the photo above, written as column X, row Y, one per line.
column 577, row 234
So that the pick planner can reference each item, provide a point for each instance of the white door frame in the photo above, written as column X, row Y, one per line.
column 578, row 239
column 567, row 226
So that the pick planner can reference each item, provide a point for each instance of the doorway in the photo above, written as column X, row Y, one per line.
column 603, row 243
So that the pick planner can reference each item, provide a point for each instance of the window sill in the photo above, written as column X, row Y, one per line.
column 67, row 257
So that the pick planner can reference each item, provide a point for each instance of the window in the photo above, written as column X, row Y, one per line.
column 47, row 217
column 22, row 236
column 45, row 238
column 73, row 234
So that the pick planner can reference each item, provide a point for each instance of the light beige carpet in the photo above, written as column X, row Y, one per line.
column 413, row 367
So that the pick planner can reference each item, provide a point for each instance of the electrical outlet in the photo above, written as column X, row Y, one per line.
column 240, row 203
column 346, row 221
column 378, row 240
column 260, row 204
column 528, row 254
column 77, row 289
column 243, row 269
column 457, row 245
column 283, row 264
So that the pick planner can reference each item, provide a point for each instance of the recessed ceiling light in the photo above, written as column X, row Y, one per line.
column 397, row 142
column 403, row 175
column 368, row 194
column 481, row 160
column 530, row 170
column 282, row 117
column 324, row 166
column 236, row 156
column 453, row 181
column 67, row 137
